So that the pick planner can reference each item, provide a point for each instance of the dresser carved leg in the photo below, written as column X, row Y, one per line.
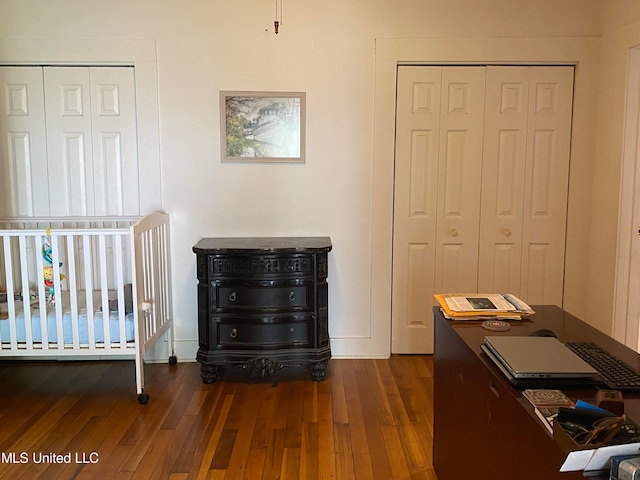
column 319, row 370
column 209, row 373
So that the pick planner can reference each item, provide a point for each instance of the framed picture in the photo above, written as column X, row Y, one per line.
column 262, row 126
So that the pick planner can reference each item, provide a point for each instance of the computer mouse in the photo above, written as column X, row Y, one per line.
column 544, row 332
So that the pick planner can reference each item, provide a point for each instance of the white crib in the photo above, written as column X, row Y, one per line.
column 59, row 275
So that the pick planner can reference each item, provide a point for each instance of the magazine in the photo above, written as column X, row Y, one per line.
column 481, row 306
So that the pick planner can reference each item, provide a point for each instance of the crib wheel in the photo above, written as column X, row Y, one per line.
column 173, row 360
column 143, row 398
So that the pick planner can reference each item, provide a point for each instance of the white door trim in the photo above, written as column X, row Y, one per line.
column 627, row 288
column 580, row 51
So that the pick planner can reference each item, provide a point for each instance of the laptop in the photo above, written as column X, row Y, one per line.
column 538, row 361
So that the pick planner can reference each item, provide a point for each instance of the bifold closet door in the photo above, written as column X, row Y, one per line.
column 68, row 143
column 437, row 195
column 91, row 140
column 481, row 183
column 525, row 182
column 24, row 189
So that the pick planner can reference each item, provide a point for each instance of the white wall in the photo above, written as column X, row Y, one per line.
column 621, row 32
column 328, row 50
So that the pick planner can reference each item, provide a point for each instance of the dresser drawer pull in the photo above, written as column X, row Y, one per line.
column 233, row 296
column 292, row 296
column 233, row 333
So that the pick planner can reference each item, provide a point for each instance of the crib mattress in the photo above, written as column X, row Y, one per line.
column 67, row 323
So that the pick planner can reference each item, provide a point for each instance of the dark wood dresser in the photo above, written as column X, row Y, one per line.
column 263, row 305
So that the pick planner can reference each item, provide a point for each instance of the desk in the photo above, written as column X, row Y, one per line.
column 485, row 428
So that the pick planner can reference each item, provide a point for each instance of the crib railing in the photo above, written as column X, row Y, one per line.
column 82, row 264
column 151, row 243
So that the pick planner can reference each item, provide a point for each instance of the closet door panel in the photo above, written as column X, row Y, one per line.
column 503, row 179
column 460, row 168
column 115, row 161
column 416, row 177
column 546, row 188
column 23, row 150
column 91, row 135
column 68, row 117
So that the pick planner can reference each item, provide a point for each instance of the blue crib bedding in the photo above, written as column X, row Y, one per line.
column 67, row 323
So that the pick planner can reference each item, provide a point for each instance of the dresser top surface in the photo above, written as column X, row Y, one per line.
column 262, row 245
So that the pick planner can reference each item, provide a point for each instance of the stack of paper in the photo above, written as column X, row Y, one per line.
column 474, row 306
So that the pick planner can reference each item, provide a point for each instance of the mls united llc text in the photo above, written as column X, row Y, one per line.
column 49, row 458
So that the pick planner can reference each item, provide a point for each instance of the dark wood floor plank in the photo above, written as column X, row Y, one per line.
column 357, row 430
column 274, row 455
column 242, row 442
column 210, row 446
column 308, row 452
column 369, row 393
column 345, row 467
column 222, row 454
column 326, row 438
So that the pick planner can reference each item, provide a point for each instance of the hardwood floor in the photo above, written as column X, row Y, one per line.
column 370, row 419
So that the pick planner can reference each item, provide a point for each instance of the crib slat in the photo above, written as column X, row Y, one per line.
column 11, row 306
column 88, row 288
column 26, row 297
column 120, row 283
column 161, row 249
column 42, row 296
column 163, row 274
column 148, row 284
column 73, row 292
column 55, row 256
column 102, row 255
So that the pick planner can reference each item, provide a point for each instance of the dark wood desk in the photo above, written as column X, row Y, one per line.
column 485, row 428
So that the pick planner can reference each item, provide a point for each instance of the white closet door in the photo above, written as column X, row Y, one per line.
column 115, row 150
column 437, row 195
column 547, row 183
column 459, row 173
column 23, row 152
column 525, row 181
column 91, row 136
column 480, row 188
column 503, row 179
column 416, row 188
column 68, row 117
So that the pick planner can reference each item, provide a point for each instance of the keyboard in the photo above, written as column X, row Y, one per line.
column 616, row 374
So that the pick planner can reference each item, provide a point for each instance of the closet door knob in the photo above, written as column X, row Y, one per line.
column 453, row 232
column 506, row 231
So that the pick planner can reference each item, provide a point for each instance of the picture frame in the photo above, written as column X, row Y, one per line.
column 262, row 126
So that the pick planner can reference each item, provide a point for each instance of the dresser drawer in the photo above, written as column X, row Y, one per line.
column 286, row 295
column 263, row 335
column 243, row 265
